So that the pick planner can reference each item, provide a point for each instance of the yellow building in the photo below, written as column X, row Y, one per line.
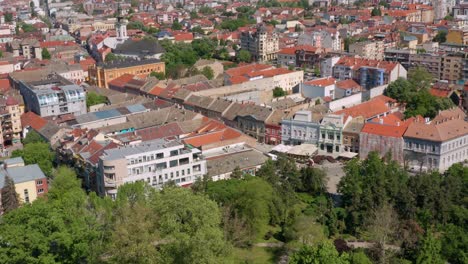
column 457, row 36
column 30, row 181
column 101, row 75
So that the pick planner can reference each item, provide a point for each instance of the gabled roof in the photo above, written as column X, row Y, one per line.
column 368, row 109
column 322, row 82
column 32, row 120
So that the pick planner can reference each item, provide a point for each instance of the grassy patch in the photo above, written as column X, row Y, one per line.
column 255, row 255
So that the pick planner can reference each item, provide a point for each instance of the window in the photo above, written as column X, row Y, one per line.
column 174, row 153
column 177, row 174
column 110, row 167
column 188, row 171
column 26, row 195
column 39, row 182
column 159, row 155
column 172, row 175
column 160, row 166
column 40, row 190
column 173, row 163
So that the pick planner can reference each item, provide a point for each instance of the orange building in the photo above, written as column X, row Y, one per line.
column 101, row 74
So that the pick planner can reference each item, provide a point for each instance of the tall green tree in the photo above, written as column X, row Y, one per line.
column 323, row 253
column 33, row 137
column 429, row 251
column 10, row 199
column 244, row 56
column 45, row 54
column 208, row 72
column 37, row 153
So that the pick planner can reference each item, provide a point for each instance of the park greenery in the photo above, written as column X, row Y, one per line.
column 405, row 219
column 45, row 54
column 92, row 98
column 36, row 151
column 414, row 93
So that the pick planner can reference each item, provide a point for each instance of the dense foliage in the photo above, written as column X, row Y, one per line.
column 92, row 98
column 404, row 218
column 37, row 153
column 414, row 93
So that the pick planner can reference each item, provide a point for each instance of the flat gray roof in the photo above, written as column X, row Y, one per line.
column 122, row 152
column 22, row 174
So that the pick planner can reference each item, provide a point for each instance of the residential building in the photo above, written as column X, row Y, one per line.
column 262, row 43
column 457, row 36
column 156, row 162
column 429, row 61
column 452, row 68
column 29, row 48
column 401, row 56
column 384, row 135
column 372, row 50
column 351, row 134
column 10, row 117
column 438, row 144
column 322, row 87
column 326, row 65
column 54, row 96
column 346, row 88
column 251, row 120
column 30, row 181
column 321, row 39
column 331, row 133
column 368, row 73
column 376, row 107
column 303, row 127
column 102, row 73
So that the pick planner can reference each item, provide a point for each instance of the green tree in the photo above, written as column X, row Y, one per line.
column 198, row 30
column 449, row 18
column 206, row 10
column 59, row 229
column 313, row 180
column 8, row 17
column 33, row 137
column 359, row 257
column 236, row 173
column 376, row 12
column 92, row 98
column 204, row 47
column 278, row 92
column 176, row 25
column 158, row 75
column 190, row 224
column 208, row 72
column 37, row 153
column 111, row 57
column 10, row 199
column 244, row 56
column 401, row 90
column 441, row 37
column 420, row 78
column 429, row 251
column 455, row 243
column 45, row 54
column 323, row 253
column 28, row 28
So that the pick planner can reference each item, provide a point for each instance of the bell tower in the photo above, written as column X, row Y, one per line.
column 121, row 24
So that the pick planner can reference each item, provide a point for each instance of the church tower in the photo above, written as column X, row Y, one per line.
column 121, row 25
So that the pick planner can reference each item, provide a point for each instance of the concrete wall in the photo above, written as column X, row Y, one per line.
column 348, row 101
column 381, row 144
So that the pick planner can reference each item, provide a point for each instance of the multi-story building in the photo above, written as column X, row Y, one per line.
column 53, row 96
column 156, row 162
column 401, row 56
column 102, row 73
column 263, row 44
column 331, row 133
column 368, row 73
column 351, row 134
column 452, row 68
column 303, row 127
column 30, row 181
column 439, row 144
column 431, row 62
column 372, row 50
column 29, row 48
column 10, row 118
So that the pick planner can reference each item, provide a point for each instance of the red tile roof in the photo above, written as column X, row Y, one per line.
column 440, row 92
column 122, row 80
column 242, row 70
column 322, row 82
column 32, row 120
column 4, row 85
column 388, row 126
column 347, row 84
column 368, row 109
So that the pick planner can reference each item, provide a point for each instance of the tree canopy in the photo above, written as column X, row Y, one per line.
column 92, row 98
column 37, row 153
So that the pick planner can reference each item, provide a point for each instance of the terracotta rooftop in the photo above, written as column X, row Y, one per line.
column 32, row 120
column 374, row 107
column 242, row 70
column 438, row 131
column 322, row 82
column 347, row 84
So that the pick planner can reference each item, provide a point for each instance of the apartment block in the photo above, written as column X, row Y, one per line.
column 262, row 43
column 303, row 127
column 10, row 118
column 439, row 144
column 30, row 181
column 156, row 162
column 372, row 50
column 53, row 96
column 452, row 68
column 401, row 56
